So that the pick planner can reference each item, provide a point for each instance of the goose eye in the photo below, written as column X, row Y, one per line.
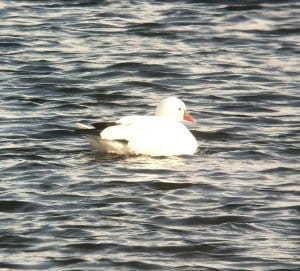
column 179, row 108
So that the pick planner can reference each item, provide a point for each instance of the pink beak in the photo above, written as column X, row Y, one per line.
column 187, row 117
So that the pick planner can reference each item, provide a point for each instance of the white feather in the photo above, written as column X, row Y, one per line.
column 160, row 135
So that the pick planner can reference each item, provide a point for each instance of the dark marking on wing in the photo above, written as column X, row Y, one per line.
column 95, row 132
column 103, row 125
column 99, row 127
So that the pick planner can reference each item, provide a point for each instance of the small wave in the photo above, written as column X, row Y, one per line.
column 18, row 206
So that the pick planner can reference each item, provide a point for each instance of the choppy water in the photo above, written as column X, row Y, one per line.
column 232, row 206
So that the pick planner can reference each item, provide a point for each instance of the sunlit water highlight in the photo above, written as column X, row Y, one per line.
column 232, row 206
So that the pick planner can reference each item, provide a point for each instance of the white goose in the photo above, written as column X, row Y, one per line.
column 159, row 135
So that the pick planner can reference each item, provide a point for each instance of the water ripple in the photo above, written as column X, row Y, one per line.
column 234, row 205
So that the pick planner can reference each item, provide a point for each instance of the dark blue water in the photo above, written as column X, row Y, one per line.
column 232, row 206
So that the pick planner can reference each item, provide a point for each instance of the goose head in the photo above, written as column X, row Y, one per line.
column 175, row 109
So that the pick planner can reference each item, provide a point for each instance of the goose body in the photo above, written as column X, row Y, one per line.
column 159, row 135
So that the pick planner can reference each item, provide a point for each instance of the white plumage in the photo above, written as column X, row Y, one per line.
column 159, row 135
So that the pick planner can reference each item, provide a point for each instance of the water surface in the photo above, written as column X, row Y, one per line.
column 232, row 206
